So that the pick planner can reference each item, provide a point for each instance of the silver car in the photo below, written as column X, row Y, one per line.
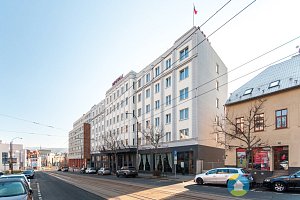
column 104, row 171
column 221, row 175
column 14, row 189
column 21, row 176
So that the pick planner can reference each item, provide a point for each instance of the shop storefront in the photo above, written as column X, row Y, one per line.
column 260, row 159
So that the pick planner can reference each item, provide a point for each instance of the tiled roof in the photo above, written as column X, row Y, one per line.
column 275, row 78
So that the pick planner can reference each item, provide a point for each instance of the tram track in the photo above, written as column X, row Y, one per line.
column 114, row 189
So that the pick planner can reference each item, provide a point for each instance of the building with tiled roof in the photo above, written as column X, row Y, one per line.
column 279, row 120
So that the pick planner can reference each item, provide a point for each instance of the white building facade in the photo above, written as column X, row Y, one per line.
column 181, row 92
column 18, row 156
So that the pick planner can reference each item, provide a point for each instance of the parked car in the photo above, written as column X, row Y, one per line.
column 82, row 170
column 127, row 171
column 1, row 173
column 221, row 175
column 283, row 183
column 104, row 171
column 29, row 173
column 16, row 176
column 65, row 169
column 90, row 170
column 14, row 188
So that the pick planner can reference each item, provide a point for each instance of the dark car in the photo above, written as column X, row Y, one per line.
column 283, row 183
column 65, row 169
column 29, row 173
column 1, row 173
column 127, row 171
column 14, row 188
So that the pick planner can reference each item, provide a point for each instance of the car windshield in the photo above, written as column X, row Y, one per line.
column 27, row 172
column 245, row 171
column 11, row 189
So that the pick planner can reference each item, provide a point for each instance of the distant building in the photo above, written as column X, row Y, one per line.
column 18, row 156
column 279, row 85
column 79, row 142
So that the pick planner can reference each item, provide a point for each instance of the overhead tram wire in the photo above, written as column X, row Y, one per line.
column 32, row 122
column 190, row 49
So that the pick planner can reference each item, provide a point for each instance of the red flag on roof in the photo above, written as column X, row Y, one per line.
column 195, row 11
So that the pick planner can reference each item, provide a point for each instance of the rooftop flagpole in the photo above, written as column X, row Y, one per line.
column 194, row 13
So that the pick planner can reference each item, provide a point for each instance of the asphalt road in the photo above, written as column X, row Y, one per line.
column 47, row 187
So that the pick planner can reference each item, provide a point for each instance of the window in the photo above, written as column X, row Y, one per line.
column 168, row 136
column 156, row 121
column 217, row 103
column 147, row 77
column 281, row 118
column 139, row 112
column 184, row 94
column 126, row 128
column 248, row 91
column 147, row 93
column 183, row 74
column 133, row 98
column 233, row 171
column 157, row 88
column 139, row 97
column 139, row 83
column 168, row 118
column 157, row 104
column 168, row 100
column 168, row 63
column 274, row 84
column 183, row 133
column 157, row 71
column 217, row 68
column 133, row 85
column 168, row 82
column 259, row 122
column 148, row 108
column 217, row 85
column 126, row 87
column 184, row 53
column 126, row 101
column 184, row 114
column 240, row 125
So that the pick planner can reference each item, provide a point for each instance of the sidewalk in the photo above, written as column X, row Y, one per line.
column 178, row 177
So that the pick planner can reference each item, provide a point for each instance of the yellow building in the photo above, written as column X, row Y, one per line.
column 278, row 122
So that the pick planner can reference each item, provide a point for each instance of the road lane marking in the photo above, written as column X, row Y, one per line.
column 39, row 191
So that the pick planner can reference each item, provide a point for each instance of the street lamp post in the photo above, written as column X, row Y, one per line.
column 137, row 141
column 11, row 166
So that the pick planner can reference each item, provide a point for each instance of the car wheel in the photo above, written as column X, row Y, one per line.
column 279, row 187
column 199, row 181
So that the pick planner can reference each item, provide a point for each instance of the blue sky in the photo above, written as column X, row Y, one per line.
column 58, row 58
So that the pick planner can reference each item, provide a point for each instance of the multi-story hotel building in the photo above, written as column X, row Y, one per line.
column 181, row 93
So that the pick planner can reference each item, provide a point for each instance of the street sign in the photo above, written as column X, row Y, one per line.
column 175, row 157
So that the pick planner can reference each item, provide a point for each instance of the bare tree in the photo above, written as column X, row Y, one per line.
column 240, row 131
column 154, row 137
column 112, row 142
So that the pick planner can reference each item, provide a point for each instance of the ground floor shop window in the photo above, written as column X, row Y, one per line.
column 259, row 158
column 185, row 162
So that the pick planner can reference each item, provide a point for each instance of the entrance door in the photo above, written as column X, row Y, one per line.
column 281, row 158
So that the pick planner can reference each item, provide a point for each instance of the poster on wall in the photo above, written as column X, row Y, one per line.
column 241, row 158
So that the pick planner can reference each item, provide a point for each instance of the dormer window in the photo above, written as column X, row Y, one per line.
column 274, row 84
column 248, row 91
